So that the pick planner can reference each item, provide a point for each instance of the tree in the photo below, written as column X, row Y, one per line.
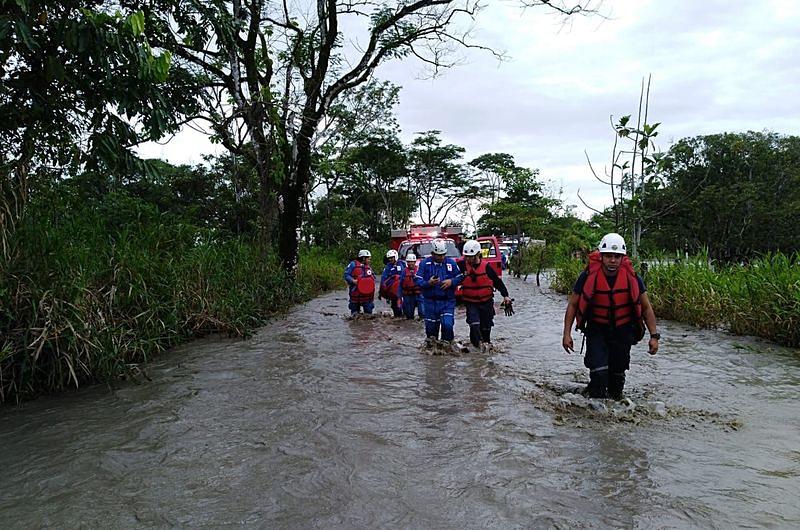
column 335, row 222
column 360, row 123
column 212, row 196
column 735, row 194
column 81, row 87
column 440, row 183
column 634, row 172
column 493, row 168
column 372, row 177
column 524, row 208
column 275, row 71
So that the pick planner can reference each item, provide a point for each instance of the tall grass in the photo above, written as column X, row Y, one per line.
column 761, row 298
column 87, row 292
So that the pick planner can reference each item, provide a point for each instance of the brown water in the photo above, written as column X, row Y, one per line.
column 322, row 422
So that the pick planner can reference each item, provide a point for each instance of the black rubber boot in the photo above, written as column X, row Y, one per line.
column 616, row 383
column 598, row 383
column 475, row 335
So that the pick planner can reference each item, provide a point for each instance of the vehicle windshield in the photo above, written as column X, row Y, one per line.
column 422, row 249
column 488, row 250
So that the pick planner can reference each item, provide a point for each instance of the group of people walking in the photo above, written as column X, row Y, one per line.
column 429, row 290
column 608, row 304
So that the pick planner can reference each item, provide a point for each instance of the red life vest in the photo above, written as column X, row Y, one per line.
column 364, row 290
column 477, row 287
column 603, row 305
column 390, row 286
column 409, row 287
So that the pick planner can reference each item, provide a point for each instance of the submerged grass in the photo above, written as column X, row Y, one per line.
column 88, row 293
column 760, row 298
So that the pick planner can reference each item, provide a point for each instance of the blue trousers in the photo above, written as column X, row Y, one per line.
column 396, row 309
column 439, row 313
column 480, row 318
column 355, row 307
column 413, row 302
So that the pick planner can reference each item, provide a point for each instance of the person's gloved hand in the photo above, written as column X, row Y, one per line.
column 507, row 307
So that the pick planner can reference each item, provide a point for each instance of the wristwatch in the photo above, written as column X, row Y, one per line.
column 656, row 336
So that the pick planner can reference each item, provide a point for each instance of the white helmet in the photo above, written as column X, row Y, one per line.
column 364, row 254
column 472, row 248
column 439, row 246
column 392, row 254
column 612, row 244
column 411, row 257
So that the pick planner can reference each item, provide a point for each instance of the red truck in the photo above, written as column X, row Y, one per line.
column 418, row 238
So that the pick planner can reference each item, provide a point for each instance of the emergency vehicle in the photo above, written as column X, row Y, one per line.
column 418, row 239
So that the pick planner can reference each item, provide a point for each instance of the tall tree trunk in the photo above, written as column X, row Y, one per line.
column 294, row 192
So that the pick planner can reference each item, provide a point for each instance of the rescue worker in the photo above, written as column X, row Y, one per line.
column 610, row 306
column 412, row 293
column 477, row 293
column 391, row 279
column 438, row 277
column 361, row 281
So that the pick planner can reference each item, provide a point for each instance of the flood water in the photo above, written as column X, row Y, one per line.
column 318, row 421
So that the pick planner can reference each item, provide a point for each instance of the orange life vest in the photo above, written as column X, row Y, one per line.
column 364, row 290
column 409, row 286
column 477, row 287
column 601, row 304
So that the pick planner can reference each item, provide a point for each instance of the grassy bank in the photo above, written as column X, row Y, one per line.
column 761, row 298
column 89, row 292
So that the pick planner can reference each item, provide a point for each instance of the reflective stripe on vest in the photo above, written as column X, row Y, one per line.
column 477, row 287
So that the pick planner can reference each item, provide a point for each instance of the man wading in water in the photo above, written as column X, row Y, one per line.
column 477, row 292
column 610, row 306
column 438, row 277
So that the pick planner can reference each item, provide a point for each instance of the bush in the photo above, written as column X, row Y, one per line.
column 89, row 291
column 567, row 271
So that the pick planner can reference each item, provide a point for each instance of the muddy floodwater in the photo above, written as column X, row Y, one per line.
column 318, row 421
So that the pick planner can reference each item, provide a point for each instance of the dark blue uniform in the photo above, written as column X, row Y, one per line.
column 396, row 269
column 440, row 304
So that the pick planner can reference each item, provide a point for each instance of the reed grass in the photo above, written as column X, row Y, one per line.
column 88, row 292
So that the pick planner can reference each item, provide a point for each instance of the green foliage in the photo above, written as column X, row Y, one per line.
column 517, row 202
column 92, row 289
column 761, row 298
column 441, row 184
column 735, row 194
column 81, row 86
column 567, row 270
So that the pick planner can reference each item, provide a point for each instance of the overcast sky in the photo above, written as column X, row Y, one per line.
column 716, row 65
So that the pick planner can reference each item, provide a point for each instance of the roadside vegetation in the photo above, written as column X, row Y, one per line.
column 91, row 290
column 760, row 297
column 718, row 215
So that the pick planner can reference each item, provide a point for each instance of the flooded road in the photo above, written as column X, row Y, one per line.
column 318, row 421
